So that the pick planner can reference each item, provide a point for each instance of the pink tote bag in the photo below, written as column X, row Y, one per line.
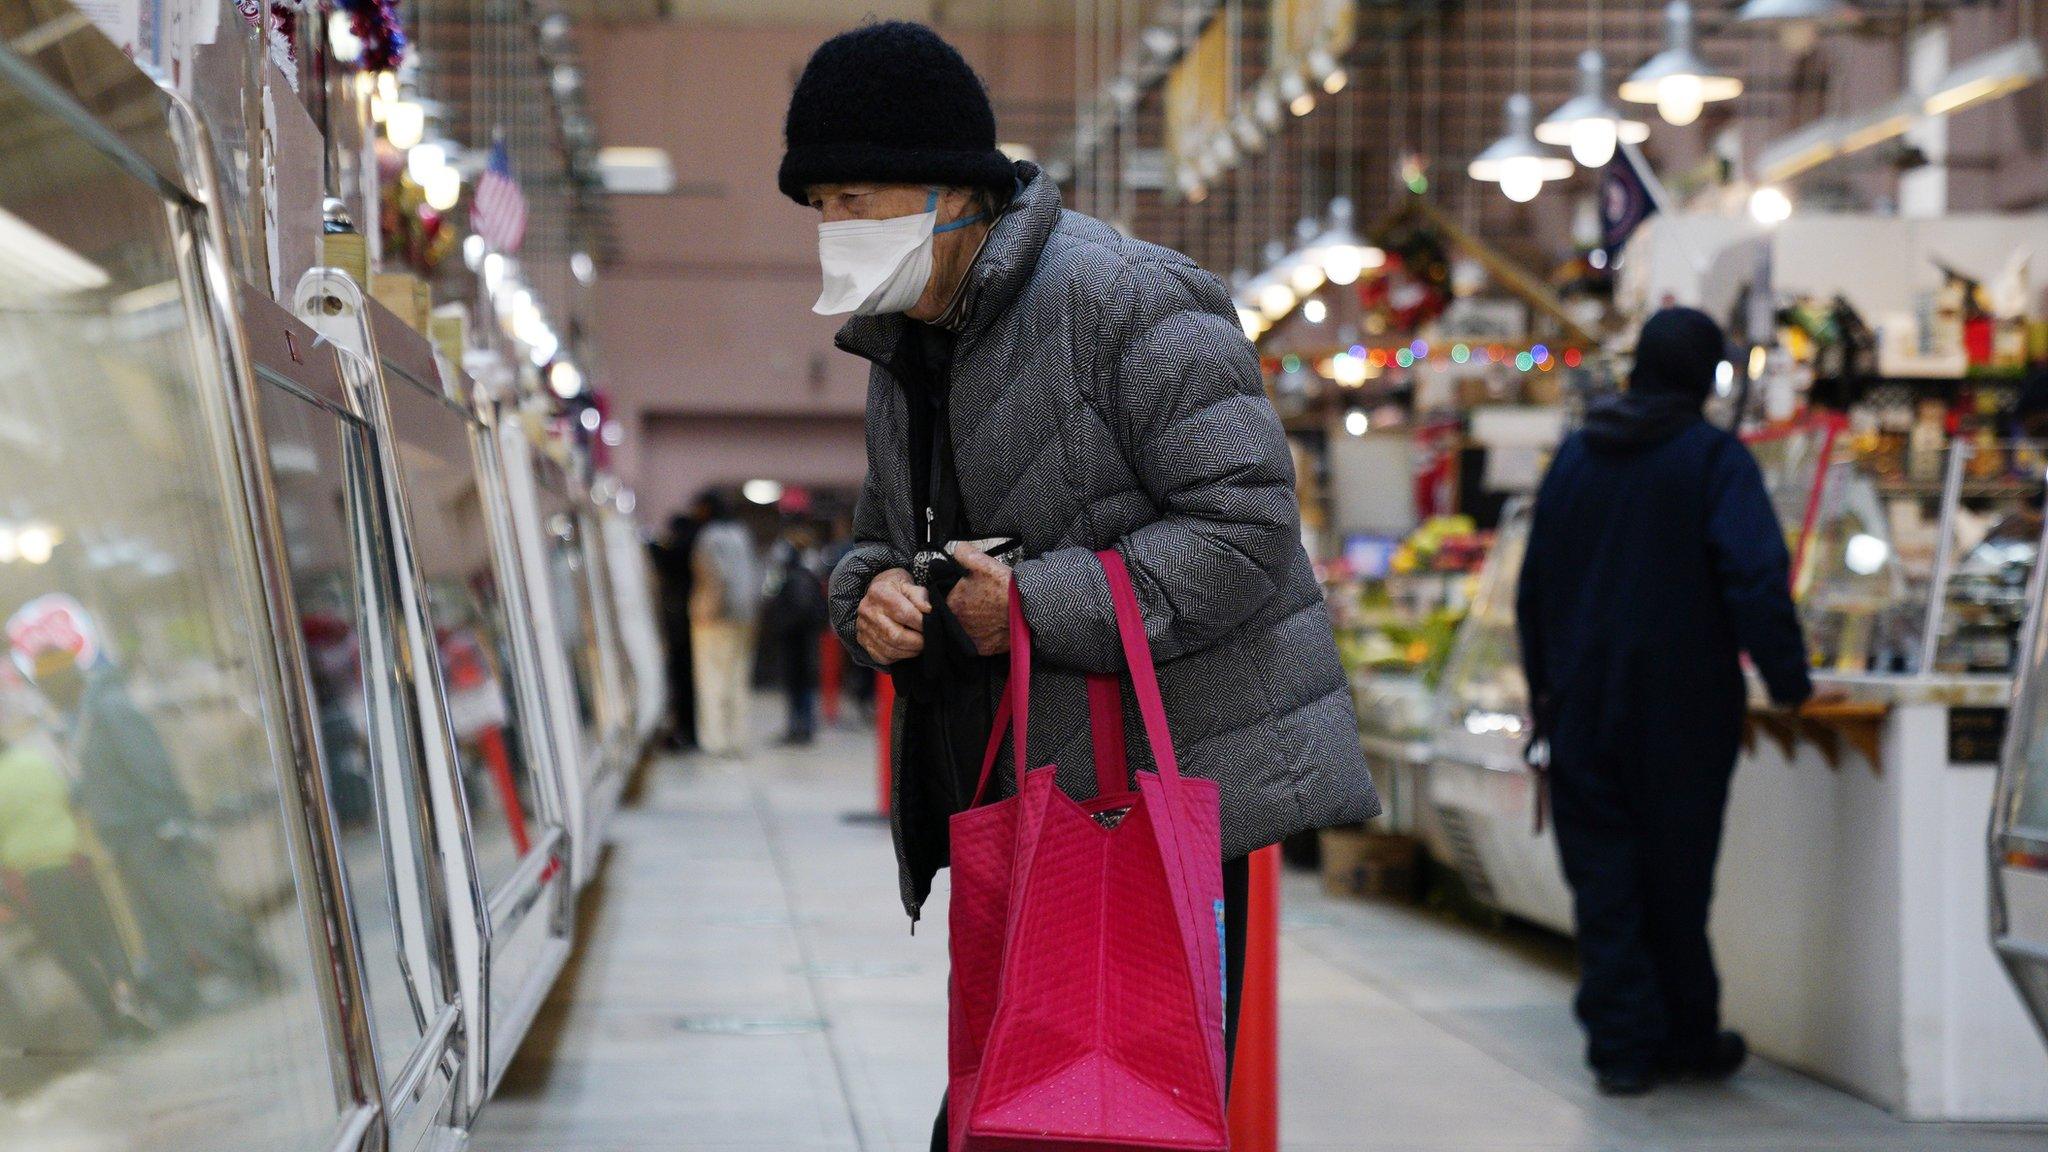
column 1086, row 1004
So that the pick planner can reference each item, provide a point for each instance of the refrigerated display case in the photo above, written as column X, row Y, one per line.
column 1482, row 793
column 500, row 794
column 1919, row 560
column 1852, row 886
column 178, row 968
column 633, row 595
column 2019, row 836
column 557, row 554
column 344, row 562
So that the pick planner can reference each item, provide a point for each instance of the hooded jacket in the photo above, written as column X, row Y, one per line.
column 1102, row 395
column 1654, row 562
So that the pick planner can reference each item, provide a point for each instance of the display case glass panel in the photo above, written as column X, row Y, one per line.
column 1793, row 458
column 1994, row 538
column 1920, row 558
column 569, row 588
column 1869, row 569
column 472, row 625
column 1483, row 692
column 158, row 982
column 339, row 556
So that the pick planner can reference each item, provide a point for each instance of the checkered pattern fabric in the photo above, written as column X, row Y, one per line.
column 1103, row 396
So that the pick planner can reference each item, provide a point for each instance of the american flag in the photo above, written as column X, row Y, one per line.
column 498, row 211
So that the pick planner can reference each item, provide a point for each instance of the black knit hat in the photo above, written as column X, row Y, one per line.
column 892, row 103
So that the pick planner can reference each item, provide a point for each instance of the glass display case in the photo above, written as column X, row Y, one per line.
column 511, row 813
column 1919, row 557
column 166, row 978
column 343, row 563
column 1482, row 704
column 1483, row 795
column 2019, row 826
column 633, row 598
column 1793, row 457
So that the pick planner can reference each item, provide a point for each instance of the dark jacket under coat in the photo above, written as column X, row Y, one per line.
column 1102, row 395
column 1655, row 560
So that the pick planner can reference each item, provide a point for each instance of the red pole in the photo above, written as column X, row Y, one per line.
column 885, row 707
column 1255, row 1079
column 831, row 665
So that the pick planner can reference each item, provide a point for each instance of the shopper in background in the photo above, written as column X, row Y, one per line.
column 725, row 601
column 1044, row 386
column 795, row 620
column 130, row 790
column 50, row 881
column 674, row 571
column 1654, row 563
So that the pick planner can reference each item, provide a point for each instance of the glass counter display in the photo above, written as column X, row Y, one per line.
column 2019, row 831
column 1912, row 585
column 166, row 979
column 1482, row 795
column 1918, row 560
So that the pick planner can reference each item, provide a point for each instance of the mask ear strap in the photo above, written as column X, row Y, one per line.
column 931, row 204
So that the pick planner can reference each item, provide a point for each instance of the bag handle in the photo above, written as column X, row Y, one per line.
column 1013, row 713
column 1130, row 628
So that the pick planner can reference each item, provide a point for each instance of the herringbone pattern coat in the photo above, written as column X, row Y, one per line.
column 1102, row 395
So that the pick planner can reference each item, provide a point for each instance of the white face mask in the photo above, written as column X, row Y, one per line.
column 876, row 266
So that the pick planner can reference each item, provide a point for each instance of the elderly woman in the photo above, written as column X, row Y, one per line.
column 1043, row 387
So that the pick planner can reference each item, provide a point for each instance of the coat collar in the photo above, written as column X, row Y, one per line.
column 997, row 277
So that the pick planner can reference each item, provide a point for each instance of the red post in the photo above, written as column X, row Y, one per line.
column 1255, row 1080
column 885, row 708
column 831, row 671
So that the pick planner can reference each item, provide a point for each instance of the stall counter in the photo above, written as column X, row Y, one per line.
column 1850, row 918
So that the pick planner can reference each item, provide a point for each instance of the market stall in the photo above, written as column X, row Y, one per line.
column 1851, row 893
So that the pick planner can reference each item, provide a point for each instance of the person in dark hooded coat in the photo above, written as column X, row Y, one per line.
column 1654, row 562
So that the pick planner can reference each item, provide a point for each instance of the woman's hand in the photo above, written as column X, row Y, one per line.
column 890, row 621
column 981, row 600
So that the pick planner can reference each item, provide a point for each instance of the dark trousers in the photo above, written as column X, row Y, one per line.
column 187, row 925
column 1638, row 841
column 682, row 679
column 71, row 917
column 800, row 658
column 1236, row 893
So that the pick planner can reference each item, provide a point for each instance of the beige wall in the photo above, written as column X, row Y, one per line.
column 704, row 313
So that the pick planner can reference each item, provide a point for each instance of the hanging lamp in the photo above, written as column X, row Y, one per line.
column 1344, row 256
column 1588, row 122
column 1676, row 80
column 1799, row 22
column 1516, row 162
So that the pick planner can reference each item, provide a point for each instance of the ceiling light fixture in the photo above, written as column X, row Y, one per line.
column 1587, row 123
column 1677, row 80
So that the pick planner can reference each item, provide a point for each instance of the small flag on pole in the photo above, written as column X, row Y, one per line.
column 1626, row 200
column 498, row 211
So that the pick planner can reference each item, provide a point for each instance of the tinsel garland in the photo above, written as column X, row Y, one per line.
column 375, row 23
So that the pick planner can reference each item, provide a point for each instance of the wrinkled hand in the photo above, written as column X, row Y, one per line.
column 981, row 600
column 890, row 622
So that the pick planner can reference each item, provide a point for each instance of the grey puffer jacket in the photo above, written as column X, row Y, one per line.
column 1103, row 395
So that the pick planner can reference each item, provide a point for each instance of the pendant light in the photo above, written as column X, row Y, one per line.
column 1516, row 162
column 1799, row 22
column 1588, row 121
column 1676, row 80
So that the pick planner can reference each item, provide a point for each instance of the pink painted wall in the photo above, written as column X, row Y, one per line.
column 716, row 364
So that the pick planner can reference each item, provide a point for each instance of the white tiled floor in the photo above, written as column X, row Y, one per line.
column 747, row 981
